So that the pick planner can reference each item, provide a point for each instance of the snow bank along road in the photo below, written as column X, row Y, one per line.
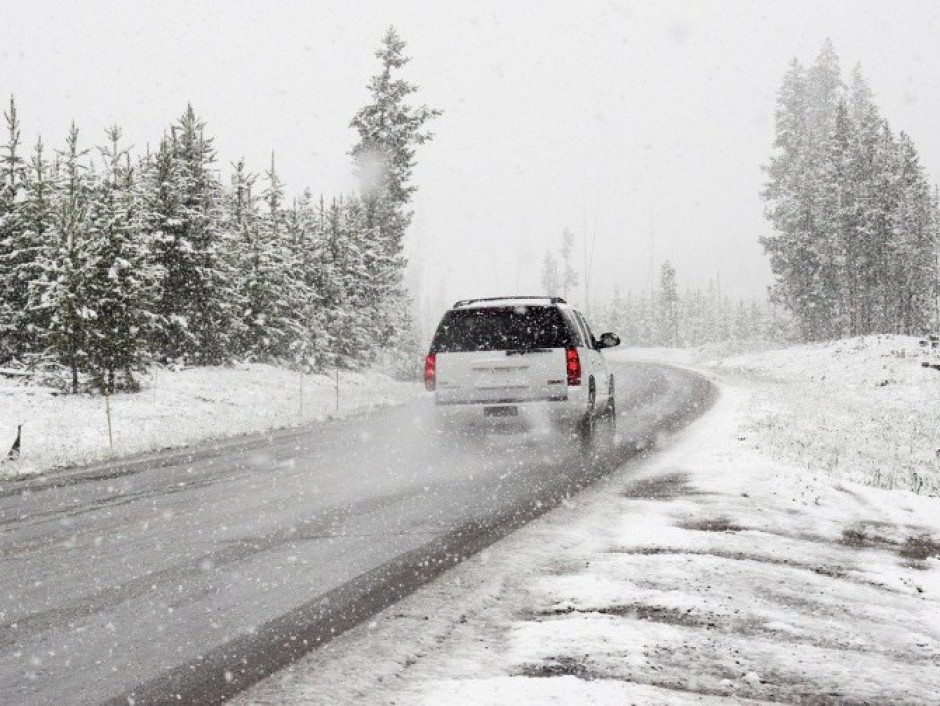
column 188, row 580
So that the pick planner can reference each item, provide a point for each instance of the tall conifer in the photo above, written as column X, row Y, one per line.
column 13, row 251
column 389, row 130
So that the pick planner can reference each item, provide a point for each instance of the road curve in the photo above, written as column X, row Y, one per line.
column 187, row 577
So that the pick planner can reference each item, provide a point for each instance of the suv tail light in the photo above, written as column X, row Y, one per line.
column 430, row 372
column 573, row 364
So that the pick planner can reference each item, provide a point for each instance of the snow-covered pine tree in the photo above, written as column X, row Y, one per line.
column 360, row 264
column 38, row 242
column 668, row 306
column 344, row 288
column 122, row 281
column 63, row 289
column 692, row 317
column 14, row 252
column 389, row 130
column 243, row 222
column 837, row 285
column 280, row 270
column 885, row 202
column 915, row 220
column 336, row 288
column 852, row 249
column 266, row 268
column 788, row 244
column 821, row 262
column 868, row 168
column 162, row 202
column 305, row 244
column 197, row 300
column 824, row 88
column 800, row 249
column 326, row 283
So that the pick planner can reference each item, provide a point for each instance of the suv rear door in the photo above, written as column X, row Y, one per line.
column 501, row 354
column 592, row 361
column 596, row 364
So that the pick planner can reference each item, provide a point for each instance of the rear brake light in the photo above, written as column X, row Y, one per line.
column 573, row 364
column 430, row 372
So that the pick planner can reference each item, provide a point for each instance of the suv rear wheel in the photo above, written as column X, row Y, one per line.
column 587, row 427
column 612, row 409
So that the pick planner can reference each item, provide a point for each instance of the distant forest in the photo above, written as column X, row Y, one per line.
column 855, row 221
column 111, row 261
column 691, row 317
column 670, row 315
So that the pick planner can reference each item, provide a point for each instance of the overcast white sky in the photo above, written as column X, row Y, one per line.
column 611, row 118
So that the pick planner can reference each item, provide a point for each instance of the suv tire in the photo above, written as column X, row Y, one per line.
column 587, row 427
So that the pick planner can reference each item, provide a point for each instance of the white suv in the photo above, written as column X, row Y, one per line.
column 531, row 359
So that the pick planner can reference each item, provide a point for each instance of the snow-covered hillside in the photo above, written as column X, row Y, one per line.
column 739, row 563
column 176, row 409
column 863, row 409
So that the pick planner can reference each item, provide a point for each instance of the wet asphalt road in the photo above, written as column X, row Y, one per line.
column 187, row 577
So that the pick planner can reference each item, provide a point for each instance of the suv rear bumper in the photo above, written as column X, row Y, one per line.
column 511, row 414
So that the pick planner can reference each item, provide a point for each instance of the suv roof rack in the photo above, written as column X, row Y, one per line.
column 464, row 302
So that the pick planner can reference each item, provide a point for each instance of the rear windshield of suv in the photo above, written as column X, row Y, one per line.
column 501, row 329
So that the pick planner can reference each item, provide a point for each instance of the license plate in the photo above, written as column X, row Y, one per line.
column 500, row 411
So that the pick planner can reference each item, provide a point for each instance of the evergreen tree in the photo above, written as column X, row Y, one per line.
column 389, row 130
column 855, row 225
column 253, row 289
column 788, row 194
column 668, row 305
column 824, row 90
column 305, row 243
column 13, row 250
column 271, row 286
column 836, row 245
column 63, row 290
column 121, row 285
column 197, row 301
column 37, row 243
column 162, row 201
column 346, row 320
column 869, row 166
column 285, row 282
column 915, row 220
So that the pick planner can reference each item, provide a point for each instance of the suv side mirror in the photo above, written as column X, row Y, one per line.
column 608, row 340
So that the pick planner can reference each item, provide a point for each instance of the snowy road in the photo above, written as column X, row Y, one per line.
column 202, row 575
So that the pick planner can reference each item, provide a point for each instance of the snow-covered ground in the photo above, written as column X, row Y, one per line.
column 863, row 409
column 176, row 409
column 741, row 562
